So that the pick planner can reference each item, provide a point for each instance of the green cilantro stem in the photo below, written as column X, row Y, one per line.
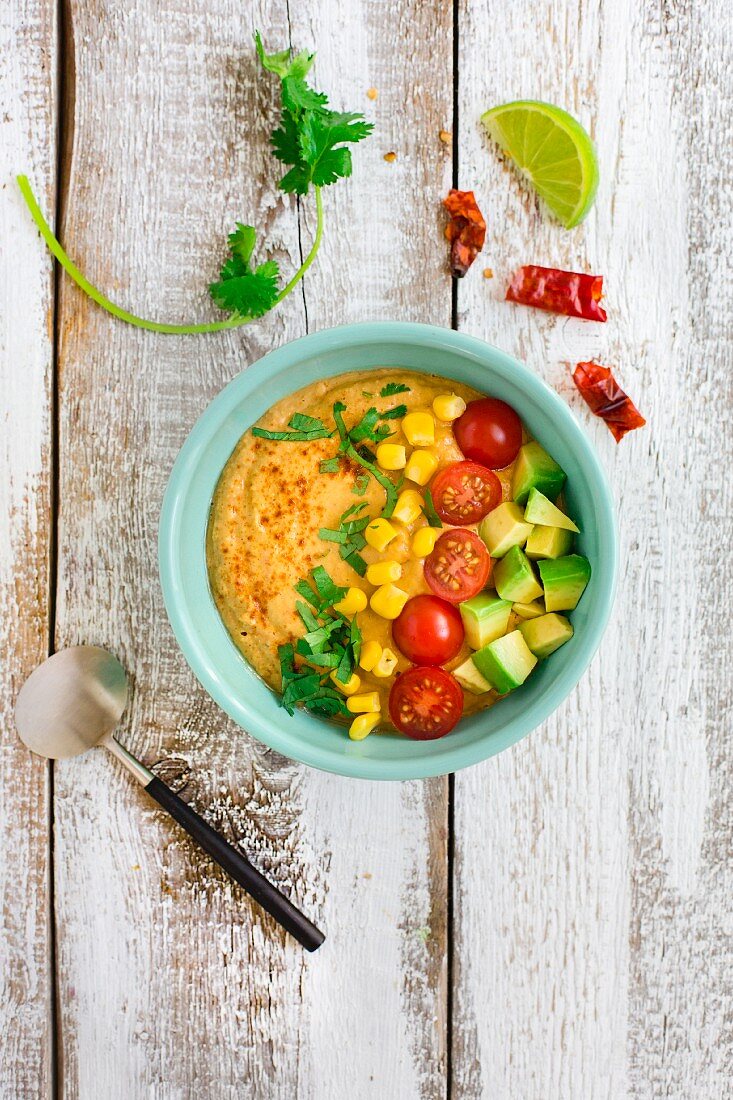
column 388, row 486
column 139, row 322
column 311, row 255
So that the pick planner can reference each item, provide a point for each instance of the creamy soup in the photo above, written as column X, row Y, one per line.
column 272, row 499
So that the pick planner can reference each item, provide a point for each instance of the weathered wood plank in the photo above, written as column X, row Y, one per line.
column 374, row 265
column 27, row 143
column 593, row 866
column 202, row 994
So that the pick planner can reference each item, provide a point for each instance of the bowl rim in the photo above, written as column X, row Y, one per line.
column 452, row 758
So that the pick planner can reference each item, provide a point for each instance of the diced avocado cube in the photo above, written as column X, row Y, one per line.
column 548, row 542
column 529, row 610
column 503, row 528
column 564, row 580
column 485, row 617
column 546, row 634
column 469, row 677
column 534, row 469
column 506, row 662
column 541, row 510
column 514, row 577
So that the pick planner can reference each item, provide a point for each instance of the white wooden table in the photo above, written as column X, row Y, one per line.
column 555, row 923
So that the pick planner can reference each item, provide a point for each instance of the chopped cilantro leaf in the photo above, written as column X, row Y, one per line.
column 366, row 427
column 310, row 622
column 301, row 422
column 392, row 388
column 338, row 409
column 324, row 660
column 361, row 485
column 304, row 589
column 356, row 561
column 299, row 687
column 292, row 437
column 429, row 512
column 387, row 485
column 394, row 414
column 355, row 639
column 327, row 703
column 353, row 509
column 349, row 536
column 345, row 665
column 297, row 683
column 356, row 525
column 332, row 536
column 325, row 587
column 330, row 465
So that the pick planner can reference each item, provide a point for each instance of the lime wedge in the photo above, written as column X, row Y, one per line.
column 552, row 151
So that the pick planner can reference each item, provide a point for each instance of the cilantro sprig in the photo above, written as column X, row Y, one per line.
column 313, row 141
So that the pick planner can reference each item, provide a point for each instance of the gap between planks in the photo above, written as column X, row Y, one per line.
column 450, row 850
column 65, row 97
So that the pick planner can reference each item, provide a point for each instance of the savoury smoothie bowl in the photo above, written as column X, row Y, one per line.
column 371, row 569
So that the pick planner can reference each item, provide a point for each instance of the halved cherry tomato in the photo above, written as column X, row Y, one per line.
column 489, row 432
column 458, row 567
column 428, row 630
column 465, row 492
column 425, row 703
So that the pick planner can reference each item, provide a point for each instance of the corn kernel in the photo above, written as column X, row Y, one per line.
column 448, row 406
column 419, row 429
column 368, row 703
column 388, row 601
column 391, row 456
column 382, row 572
column 424, row 540
column 421, row 467
column 408, row 507
column 362, row 726
column 386, row 664
column 351, row 686
column 370, row 654
column 380, row 533
column 354, row 600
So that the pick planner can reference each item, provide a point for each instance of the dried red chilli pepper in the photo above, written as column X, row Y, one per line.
column 466, row 230
column 567, row 292
column 606, row 399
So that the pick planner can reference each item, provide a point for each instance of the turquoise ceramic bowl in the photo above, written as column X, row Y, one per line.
column 192, row 612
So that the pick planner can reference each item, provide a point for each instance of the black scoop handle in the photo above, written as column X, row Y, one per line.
column 238, row 866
